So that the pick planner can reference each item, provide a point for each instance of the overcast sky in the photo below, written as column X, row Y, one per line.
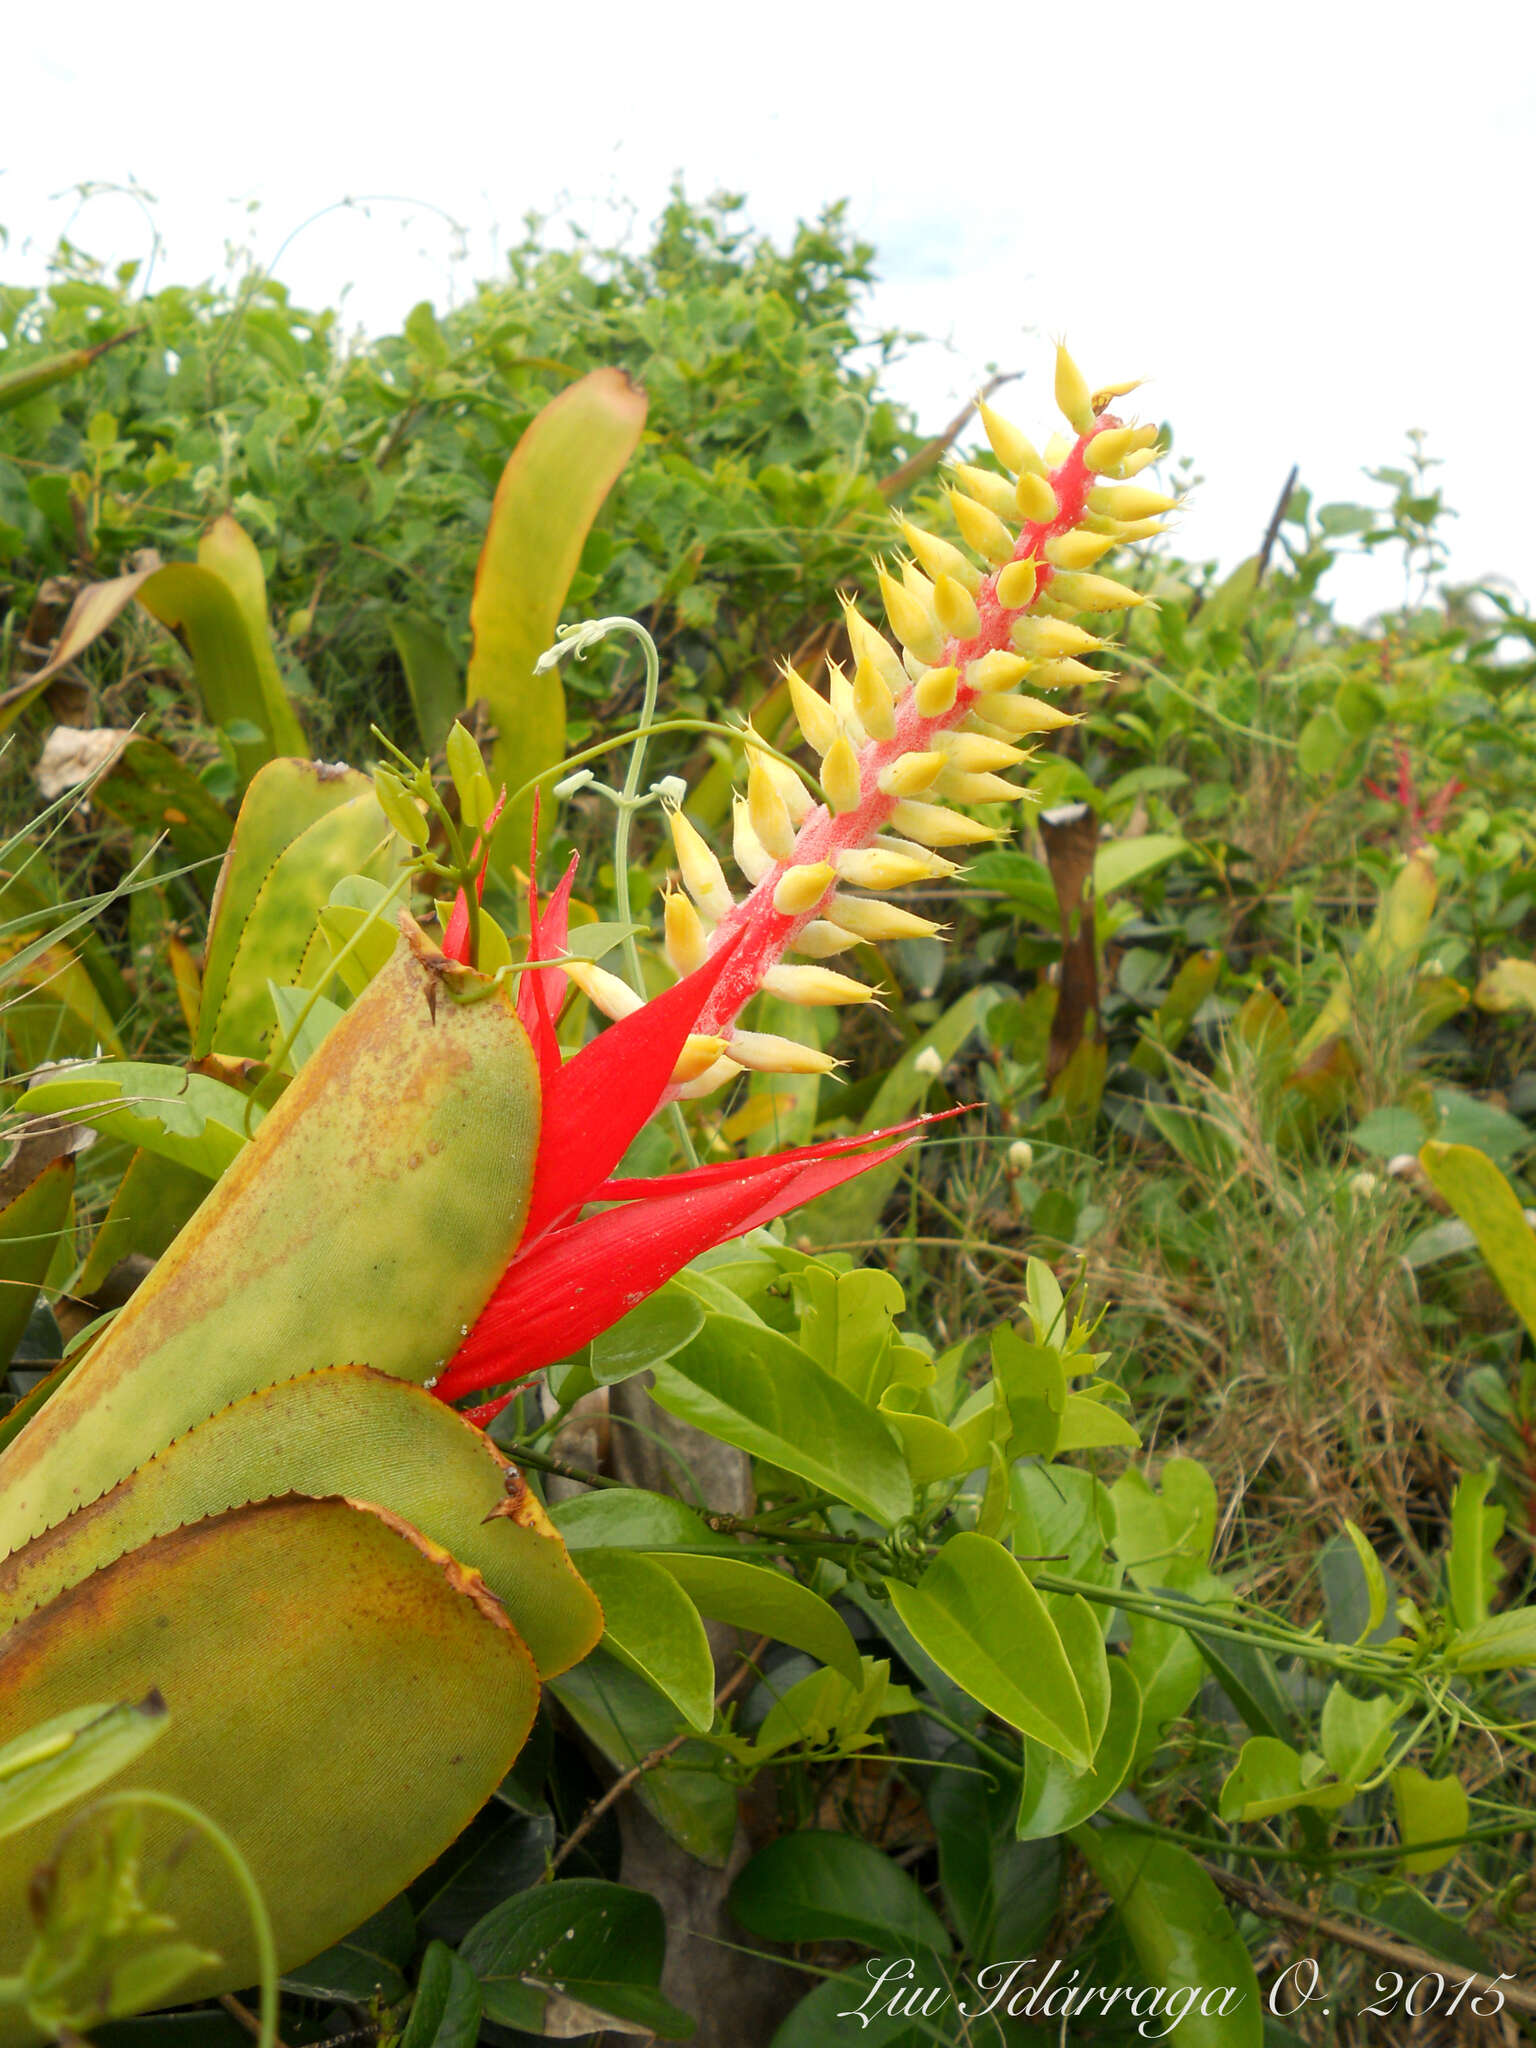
column 1309, row 224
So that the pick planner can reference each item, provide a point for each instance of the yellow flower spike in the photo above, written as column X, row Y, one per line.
column 1035, row 499
column 1010, row 444
column 873, row 702
column 751, row 856
column 1068, row 674
column 911, row 775
column 713, row 1077
column 877, row 923
column 1072, row 393
column 872, row 646
column 761, row 1052
column 940, row 557
column 1130, row 501
column 870, row 867
column 813, row 714
column 913, row 624
column 815, row 986
column 821, row 940
column 983, row 530
column 962, row 787
column 998, row 670
column 769, row 812
column 798, row 800
column 699, row 1054
column 801, row 889
column 1078, row 550
column 987, row 488
column 1094, row 593
column 1111, row 448
column 605, row 991
column 1052, row 638
column 1108, row 393
column 684, row 934
column 703, row 876
column 956, row 610
column 840, row 777
column 937, row 691
column 1023, row 715
column 1017, row 583
column 934, row 825
column 976, row 754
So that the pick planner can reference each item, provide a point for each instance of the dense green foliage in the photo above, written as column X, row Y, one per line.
column 1315, row 872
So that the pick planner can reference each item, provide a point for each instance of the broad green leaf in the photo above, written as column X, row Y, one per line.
column 1375, row 1580
column 369, row 1962
column 71, row 1754
column 1504, row 1642
column 577, row 1946
column 1183, row 1936
column 1270, row 1777
column 652, row 1626
column 1169, row 1669
column 292, row 1263
column 200, row 606
column 649, row 1334
column 1356, row 1734
column 846, row 1324
column 1057, row 1795
column 30, row 1227
column 1121, row 862
column 1034, row 1382
column 153, row 791
column 1492, row 1211
column 268, row 1721
column 1472, row 1567
column 550, row 493
column 432, row 676
column 629, row 1518
column 983, row 1623
column 823, row 1709
column 748, row 1386
column 153, row 1201
column 303, row 1019
column 627, row 1720
column 228, row 550
column 817, row 1886
column 1429, row 1810
column 1000, row 1894
column 341, row 1430
column 769, row 1603
column 1508, row 984
column 447, row 2007
column 1089, row 1424
column 191, row 1120
column 1071, row 1517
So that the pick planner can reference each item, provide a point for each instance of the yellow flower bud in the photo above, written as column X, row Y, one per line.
column 983, row 530
column 935, row 694
column 997, row 671
column 956, row 611
column 752, row 857
column 1133, row 465
column 964, row 788
column 840, row 776
column 1036, row 500
column 869, row 867
column 1016, row 584
column 1130, row 501
column 1072, row 393
column 974, row 752
column 1022, row 715
column 686, row 937
column 987, row 488
column 615, row 998
column 713, row 1077
column 911, row 775
column 815, row 986
column 761, row 1052
column 940, row 557
column 875, row 922
column 1094, row 593
column 911, row 621
column 699, row 1053
column 798, row 800
column 873, row 647
column 1010, row 444
column 1068, row 674
column 873, row 702
column 1113, row 445
column 769, row 812
column 703, row 876
column 840, row 690
column 1078, row 550
column 1108, row 393
column 820, row 940
column 933, row 825
column 1051, row 638
column 801, row 889
column 813, row 714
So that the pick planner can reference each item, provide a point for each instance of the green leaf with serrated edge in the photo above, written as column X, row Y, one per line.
column 598, row 1946
column 1492, row 1211
column 820, row 1886
column 289, row 1265
column 283, row 801
column 1056, row 1796
column 30, row 1227
column 983, row 1623
column 1472, row 1566
column 652, row 1626
column 767, row 1602
column 268, row 1721
column 550, row 492
column 1504, row 1642
column 71, row 1754
column 1375, row 1580
column 750, row 1387
column 626, row 1720
column 342, row 1430
column 190, row 1119
column 1429, row 1810
column 447, row 2007
column 153, row 1201
column 1183, row 1936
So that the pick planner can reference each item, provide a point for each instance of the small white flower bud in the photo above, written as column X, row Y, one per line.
column 573, row 783
column 928, row 1064
column 671, row 789
column 1021, row 1155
